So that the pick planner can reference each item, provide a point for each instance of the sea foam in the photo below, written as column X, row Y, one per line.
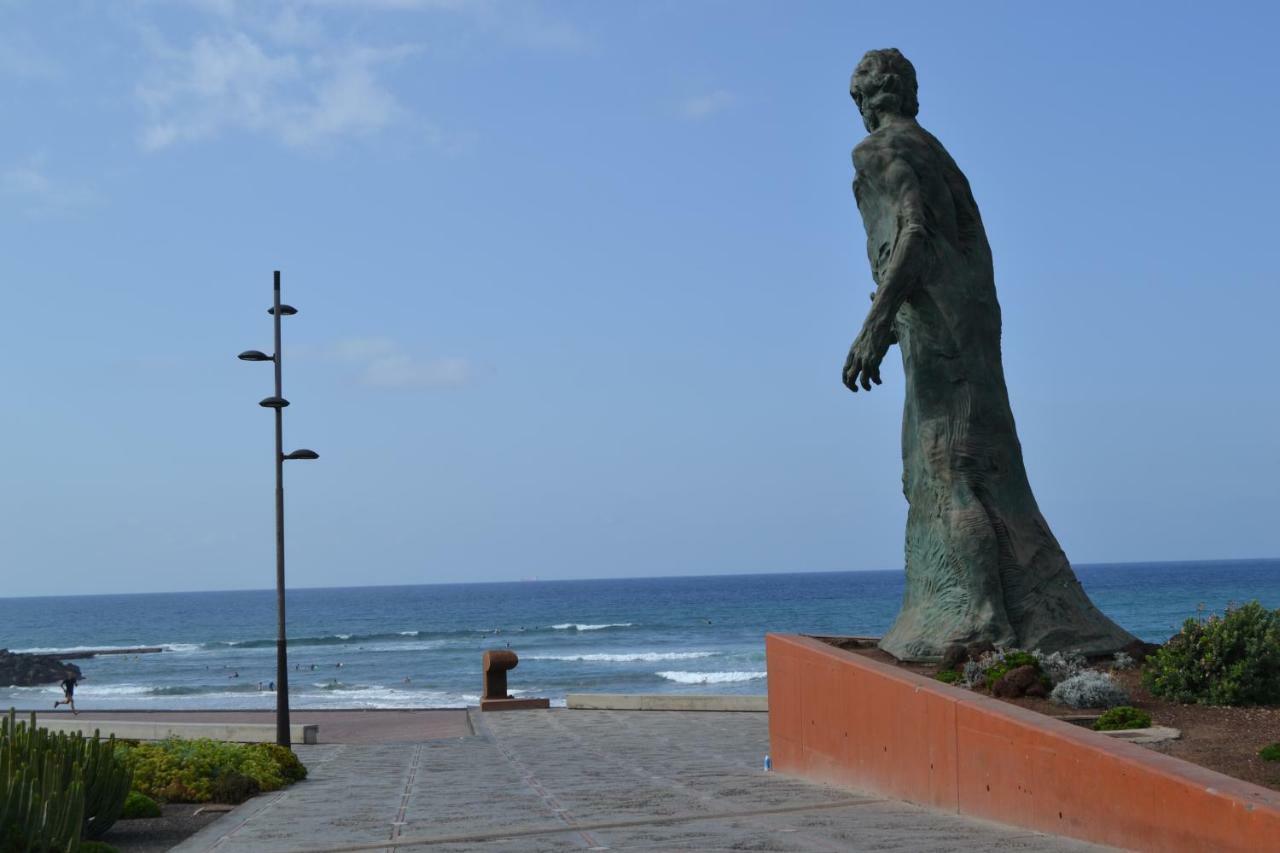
column 710, row 677
column 624, row 657
column 576, row 626
column 50, row 649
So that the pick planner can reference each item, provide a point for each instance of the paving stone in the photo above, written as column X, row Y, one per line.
column 576, row 780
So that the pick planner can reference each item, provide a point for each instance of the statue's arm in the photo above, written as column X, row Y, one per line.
column 907, row 266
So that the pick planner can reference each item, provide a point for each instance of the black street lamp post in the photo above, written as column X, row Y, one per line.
column 278, row 402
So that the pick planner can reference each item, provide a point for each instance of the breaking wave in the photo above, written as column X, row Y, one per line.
column 624, row 657
column 710, row 677
column 343, row 639
column 109, row 650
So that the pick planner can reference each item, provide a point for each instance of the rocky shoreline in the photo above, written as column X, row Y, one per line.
column 18, row 669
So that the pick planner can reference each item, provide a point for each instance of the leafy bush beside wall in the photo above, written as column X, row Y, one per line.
column 1233, row 659
column 1121, row 718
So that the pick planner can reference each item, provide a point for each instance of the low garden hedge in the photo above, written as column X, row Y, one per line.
column 196, row 771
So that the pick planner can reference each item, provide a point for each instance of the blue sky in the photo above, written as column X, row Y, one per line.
column 576, row 281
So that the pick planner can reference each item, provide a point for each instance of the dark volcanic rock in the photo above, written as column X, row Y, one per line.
column 1140, row 651
column 23, row 670
column 1023, row 681
column 978, row 649
column 954, row 656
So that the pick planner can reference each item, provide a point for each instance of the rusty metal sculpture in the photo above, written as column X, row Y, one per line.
column 497, row 663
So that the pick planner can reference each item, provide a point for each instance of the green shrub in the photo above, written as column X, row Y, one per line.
column 184, row 771
column 234, row 788
column 948, row 676
column 290, row 767
column 97, row 847
column 138, row 806
column 1233, row 659
column 1122, row 717
column 1270, row 752
column 1010, row 661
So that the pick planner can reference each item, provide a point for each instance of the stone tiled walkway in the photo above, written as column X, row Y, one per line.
column 586, row 780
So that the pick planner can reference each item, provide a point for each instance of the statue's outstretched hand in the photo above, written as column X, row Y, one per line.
column 863, row 364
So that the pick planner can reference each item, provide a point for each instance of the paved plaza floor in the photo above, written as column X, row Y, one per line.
column 584, row 780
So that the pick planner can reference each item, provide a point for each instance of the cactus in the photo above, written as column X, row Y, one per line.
column 41, row 799
column 106, row 781
column 57, row 787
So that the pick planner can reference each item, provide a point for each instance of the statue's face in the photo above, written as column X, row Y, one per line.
column 858, row 89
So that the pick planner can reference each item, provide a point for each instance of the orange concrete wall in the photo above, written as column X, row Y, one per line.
column 846, row 719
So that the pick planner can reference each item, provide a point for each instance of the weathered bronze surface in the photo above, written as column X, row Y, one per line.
column 982, row 564
column 497, row 663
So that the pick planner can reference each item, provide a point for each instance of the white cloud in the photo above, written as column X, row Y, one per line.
column 382, row 363
column 701, row 106
column 40, row 196
column 275, row 70
column 232, row 81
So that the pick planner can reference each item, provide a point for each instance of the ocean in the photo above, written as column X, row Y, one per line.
column 420, row 646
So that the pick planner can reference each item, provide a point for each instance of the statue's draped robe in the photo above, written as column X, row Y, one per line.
column 981, row 562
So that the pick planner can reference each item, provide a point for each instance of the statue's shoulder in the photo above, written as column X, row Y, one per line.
column 872, row 153
column 877, row 150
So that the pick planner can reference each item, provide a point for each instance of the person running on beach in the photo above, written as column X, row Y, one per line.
column 68, row 692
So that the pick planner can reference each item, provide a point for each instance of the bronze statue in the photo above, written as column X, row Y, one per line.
column 982, row 564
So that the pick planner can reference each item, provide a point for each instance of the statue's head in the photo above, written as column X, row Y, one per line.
column 884, row 84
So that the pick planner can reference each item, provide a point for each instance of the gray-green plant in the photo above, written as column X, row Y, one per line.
column 988, row 669
column 1010, row 660
column 974, row 672
column 1059, row 666
column 1089, row 689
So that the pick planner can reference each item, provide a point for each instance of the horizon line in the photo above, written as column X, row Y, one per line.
column 599, row 579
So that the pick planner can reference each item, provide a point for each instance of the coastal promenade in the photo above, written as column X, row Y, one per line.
column 575, row 780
